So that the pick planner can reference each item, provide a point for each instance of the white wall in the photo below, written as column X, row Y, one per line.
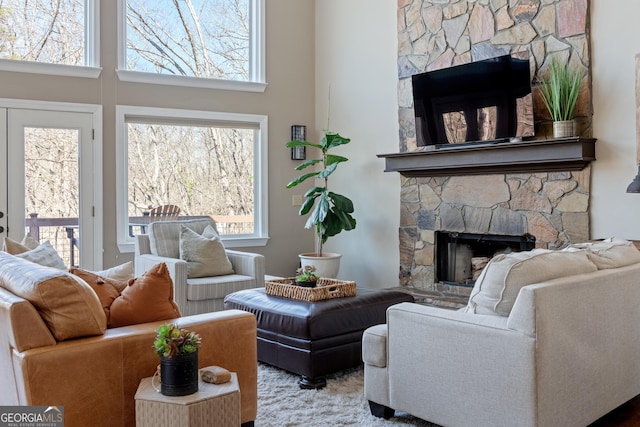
column 356, row 55
column 615, row 40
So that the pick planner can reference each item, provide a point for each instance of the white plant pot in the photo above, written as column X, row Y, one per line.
column 326, row 266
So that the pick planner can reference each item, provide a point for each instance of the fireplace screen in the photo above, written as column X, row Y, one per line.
column 460, row 257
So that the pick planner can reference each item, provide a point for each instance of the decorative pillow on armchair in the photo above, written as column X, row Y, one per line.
column 205, row 254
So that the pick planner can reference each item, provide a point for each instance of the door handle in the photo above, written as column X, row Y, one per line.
column 1, row 214
column 1, row 229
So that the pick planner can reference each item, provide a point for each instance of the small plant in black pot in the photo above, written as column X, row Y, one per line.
column 306, row 277
column 178, row 352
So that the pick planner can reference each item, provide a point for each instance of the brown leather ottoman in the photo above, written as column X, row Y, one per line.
column 314, row 339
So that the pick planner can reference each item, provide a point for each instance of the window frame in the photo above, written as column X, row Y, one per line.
column 260, row 234
column 91, row 69
column 257, row 82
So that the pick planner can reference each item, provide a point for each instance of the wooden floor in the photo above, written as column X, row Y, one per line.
column 627, row 415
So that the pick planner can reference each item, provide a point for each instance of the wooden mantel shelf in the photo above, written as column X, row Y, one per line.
column 562, row 154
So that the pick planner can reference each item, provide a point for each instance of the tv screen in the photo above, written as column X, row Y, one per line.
column 488, row 100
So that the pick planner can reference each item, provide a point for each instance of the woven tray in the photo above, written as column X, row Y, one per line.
column 325, row 289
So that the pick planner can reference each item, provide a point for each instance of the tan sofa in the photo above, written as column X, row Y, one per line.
column 95, row 377
column 532, row 351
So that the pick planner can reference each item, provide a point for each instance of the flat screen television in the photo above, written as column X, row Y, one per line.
column 487, row 100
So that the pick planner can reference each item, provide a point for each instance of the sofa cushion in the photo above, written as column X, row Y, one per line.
column 500, row 282
column 611, row 253
column 106, row 289
column 204, row 253
column 164, row 236
column 119, row 273
column 68, row 306
column 44, row 254
column 27, row 243
column 145, row 299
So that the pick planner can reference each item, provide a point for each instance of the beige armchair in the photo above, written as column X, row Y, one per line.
column 565, row 354
column 201, row 294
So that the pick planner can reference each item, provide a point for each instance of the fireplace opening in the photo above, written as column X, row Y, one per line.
column 460, row 257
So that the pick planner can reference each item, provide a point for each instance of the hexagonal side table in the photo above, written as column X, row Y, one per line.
column 212, row 404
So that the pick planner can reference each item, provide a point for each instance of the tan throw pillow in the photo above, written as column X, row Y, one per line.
column 496, row 289
column 145, row 299
column 106, row 289
column 68, row 305
column 45, row 255
column 13, row 247
column 611, row 253
column 205, row 254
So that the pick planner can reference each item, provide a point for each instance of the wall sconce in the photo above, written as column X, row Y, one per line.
column 298, row 133
column 634, row 187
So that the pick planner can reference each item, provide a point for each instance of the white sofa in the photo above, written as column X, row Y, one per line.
column 565, row 354
column 200, row 294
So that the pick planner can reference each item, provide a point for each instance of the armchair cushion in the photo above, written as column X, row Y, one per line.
column 496, row 289
column 164, row 236
column 204, row 253
column 68, row 306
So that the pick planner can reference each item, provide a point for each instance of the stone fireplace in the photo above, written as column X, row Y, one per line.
column 547, row 201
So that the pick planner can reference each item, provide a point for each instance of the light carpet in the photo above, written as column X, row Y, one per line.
column 282, row 403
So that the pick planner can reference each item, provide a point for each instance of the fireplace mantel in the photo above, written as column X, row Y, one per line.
column 561, row 154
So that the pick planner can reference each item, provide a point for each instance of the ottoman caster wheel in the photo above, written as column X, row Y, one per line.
column 312, row 383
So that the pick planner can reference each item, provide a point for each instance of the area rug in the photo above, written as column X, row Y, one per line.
column 282, row 403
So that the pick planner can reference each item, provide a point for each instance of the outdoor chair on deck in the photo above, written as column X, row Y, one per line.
column 164, row 213
column 195, row 294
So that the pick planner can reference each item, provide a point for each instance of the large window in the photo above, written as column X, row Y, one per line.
column 207, row 164
column 193, row 42
column 44, row 36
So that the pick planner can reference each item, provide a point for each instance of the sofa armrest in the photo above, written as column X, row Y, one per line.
column 433, row 353
column 248, row 264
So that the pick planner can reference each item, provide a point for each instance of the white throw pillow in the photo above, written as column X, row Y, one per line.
column 496, row 289
column 611, row 253
column 45, row 255
column 204, row 254
column 119, row 273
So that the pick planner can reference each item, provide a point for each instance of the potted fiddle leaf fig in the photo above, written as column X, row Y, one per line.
column 329, row 213
column 178, row 352
column 559, row 90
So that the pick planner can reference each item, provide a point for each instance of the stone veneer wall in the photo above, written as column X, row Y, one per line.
column 554, row 207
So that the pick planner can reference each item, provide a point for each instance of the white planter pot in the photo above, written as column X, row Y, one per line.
column 326, row 266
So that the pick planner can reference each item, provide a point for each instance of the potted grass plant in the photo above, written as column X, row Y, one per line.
column 329, row 213
column 559, row 90
column 178, row 352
